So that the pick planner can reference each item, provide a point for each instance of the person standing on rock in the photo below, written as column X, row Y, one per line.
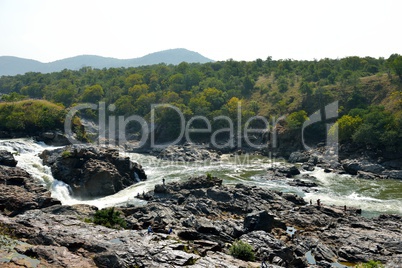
column 150, row 231
column 163, row 180
column 263, row 263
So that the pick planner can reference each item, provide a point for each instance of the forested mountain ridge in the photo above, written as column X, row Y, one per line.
column 13, row 65
column 369, row 92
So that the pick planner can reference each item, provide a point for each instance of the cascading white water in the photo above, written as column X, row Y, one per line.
column 372, row 196
column 26, row 153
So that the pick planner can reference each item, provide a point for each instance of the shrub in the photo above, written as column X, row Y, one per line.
column 209, row 176
column 109, row 218
column 66, row 154
column 242, row 250
column 370, row 264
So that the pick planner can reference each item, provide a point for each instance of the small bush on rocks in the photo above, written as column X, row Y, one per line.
column 242, row 250
column 109, row 218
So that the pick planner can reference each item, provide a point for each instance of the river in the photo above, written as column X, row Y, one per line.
column 374, row 197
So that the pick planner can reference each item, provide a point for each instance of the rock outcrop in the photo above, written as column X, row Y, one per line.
column 206, row 218
column 7, row 159
column 368, row 166
column 19, row 192
column 187, row 153
column 93, row 172
column 55, row 138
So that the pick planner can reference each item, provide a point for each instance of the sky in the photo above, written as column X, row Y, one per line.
column 48, row 30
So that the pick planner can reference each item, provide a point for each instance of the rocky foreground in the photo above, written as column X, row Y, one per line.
column 206, row 218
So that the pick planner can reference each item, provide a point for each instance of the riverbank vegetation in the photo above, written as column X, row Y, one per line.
column 31, row 115
column 369, row 91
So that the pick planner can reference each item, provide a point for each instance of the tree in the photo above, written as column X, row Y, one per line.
column 65, row 96
column 305, row 88
column 351, row 63
column 283, row 84
column 347, row 126
column 199, row 105
column 93, row 94
column 214, row 96
column 192, row 78
column 396, row 65
column 231, row 107
column 176, row 82
column 248, row 85
column 144, row 102
column 377, row 125
column 134, row 79
column 113, row 94
column 33, row 90
column 212, row 82
column 295, row 120
column 171, row 97
column 13, row 96
column 138, row 90
column 254, row 107
column 124, row 105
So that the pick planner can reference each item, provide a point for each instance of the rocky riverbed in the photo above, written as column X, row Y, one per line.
column 206, row 218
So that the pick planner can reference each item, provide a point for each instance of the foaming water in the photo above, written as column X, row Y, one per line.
column 26, row 152
column 374, row 197
column 61, row 191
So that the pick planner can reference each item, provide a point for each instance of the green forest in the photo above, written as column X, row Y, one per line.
column 369, row 91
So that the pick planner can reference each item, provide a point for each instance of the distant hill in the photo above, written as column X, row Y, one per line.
column 14, row 65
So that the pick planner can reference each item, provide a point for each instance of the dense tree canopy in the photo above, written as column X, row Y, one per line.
column 269, row 88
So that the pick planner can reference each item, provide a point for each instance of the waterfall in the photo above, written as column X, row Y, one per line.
column 26, row 152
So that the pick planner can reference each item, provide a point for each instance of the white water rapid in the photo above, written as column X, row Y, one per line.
column 372, row 196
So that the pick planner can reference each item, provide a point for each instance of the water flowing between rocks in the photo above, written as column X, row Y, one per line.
column 374, row 197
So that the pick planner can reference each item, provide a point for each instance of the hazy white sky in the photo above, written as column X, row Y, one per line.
column 47, row 30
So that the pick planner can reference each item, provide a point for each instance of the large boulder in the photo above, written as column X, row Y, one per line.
column 91, row 171
column 353, row 166
column 299, row 157
column 261, row 220
column 55, row 138
column 7, row 159
column 187, row 153
column 198, row 183
column 284, row 171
